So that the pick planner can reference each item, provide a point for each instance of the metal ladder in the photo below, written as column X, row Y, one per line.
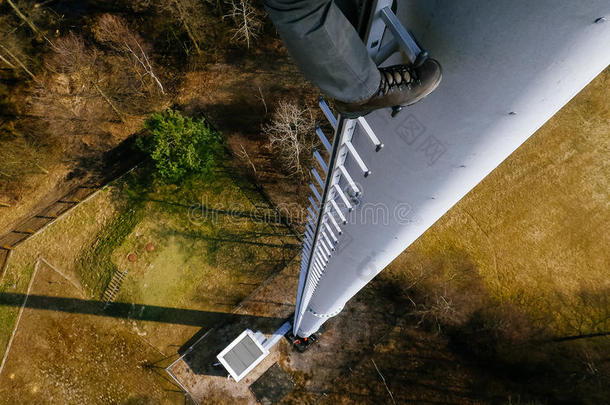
column 113, row 287
column 329, row 208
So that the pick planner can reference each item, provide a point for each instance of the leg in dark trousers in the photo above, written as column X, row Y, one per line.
column 330, row 53
column 326, row 47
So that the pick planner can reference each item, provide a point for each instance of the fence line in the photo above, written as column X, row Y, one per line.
column 25, row 300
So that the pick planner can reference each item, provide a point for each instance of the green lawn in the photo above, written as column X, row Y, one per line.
column 212, row 247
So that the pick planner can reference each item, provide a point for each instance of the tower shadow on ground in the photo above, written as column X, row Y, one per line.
column 226, row 326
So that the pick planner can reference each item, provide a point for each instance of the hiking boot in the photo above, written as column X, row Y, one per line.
column 401, row 85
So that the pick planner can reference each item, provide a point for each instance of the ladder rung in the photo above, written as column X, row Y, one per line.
column 336, row 207
column 323, row 258
column 317, row 176
column 328, row 113
column 326, row 249
column 323, row 139
column 334, row 222
column 308, row 235
column 309, row 232
column 327, row 241
column 315, row 192
column 312, row 262
column 316, row 259
column 313, row 203
column 357, row 158
column 405, row 41
column 385, row 51
column 320, row 160
column 311, row 211
column 320, row 260
column 317, row 269
column 330, row 244
column 307, row 226
column 369, row 131
column 349, row 180
column 331, row 233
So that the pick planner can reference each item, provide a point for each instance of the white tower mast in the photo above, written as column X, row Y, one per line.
column 508, row 67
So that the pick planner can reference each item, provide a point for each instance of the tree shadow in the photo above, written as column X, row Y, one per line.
column 102, row 167
column 202, row 212
column 244, row 239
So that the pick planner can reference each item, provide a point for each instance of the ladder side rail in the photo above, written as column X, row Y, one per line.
column 304, row 298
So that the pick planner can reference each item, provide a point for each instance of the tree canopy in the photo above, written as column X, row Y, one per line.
column 180, row 145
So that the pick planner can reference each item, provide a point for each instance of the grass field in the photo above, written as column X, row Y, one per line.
column 213, row 245
column 494, row 304
column 535, row 230
column 517, row 274
column 520, row 262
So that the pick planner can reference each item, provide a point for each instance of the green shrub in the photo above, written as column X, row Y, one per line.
column 180, row 145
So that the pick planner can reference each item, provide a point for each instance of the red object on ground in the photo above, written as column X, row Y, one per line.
column 132, row 257
column 150, row 247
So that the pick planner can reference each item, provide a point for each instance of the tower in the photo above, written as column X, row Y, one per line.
column 508, row 67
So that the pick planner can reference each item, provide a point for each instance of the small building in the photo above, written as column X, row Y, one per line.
column 243, row 354
column 247, row 350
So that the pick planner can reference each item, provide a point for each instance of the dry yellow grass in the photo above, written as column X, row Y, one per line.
column 60, row 243
column 536, row 229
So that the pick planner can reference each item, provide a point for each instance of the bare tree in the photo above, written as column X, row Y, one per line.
column 194, row 17
column 291, row 134
column 70, row 96
column 83, row 70
column 191, row 16
column 438, row 309
column 247, row 19
column 114, row 32
column 12, row 48
column 28, row 11
column 72, row 56
column 85, row 87
column 243, row 155
column 141, row 5
column 7, row 56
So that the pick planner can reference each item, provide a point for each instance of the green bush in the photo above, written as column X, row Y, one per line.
column 180, row 145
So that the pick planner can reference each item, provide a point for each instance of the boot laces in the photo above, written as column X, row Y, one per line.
column 398, row 76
